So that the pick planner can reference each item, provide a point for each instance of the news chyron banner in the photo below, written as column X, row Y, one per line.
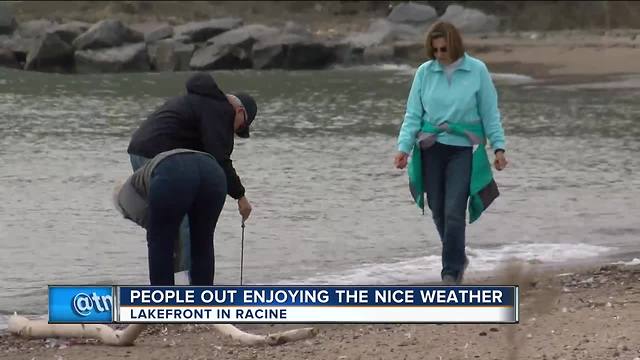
column 283, row 304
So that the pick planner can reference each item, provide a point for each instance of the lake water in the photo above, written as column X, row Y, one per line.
column 329, row 207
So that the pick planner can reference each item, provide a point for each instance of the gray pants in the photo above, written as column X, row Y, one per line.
column 184, row 262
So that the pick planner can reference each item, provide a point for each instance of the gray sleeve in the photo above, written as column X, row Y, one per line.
column 131, row 204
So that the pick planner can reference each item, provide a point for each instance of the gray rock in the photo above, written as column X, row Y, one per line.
column 348, row 55
column 34, row 28
column 8, row 59
column 383, row 32
column 107, row 33
column 378, row 54
column 221, row 57
column 127, row 58
column 413, row 13
column 244, row 36
column 470, row 20
column 294, row 28
column 293, row 52
column 7, row 20
column 70, row 31
column 232, row 49
column 50, row 54
column 170, row 55
column 201, row 31
column 19, row 46
column 154, row 31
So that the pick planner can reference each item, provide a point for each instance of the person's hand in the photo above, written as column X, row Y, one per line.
column 400, row 161
column 500, row 161
column 244, row 208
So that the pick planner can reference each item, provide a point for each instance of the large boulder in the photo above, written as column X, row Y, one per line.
column 470, row 20
column 221, row 57
column 204, row 30
column 293, row 52
column 7, row 20
column 412, row 13
column 232, row 49
column 244, row 36
column 18, row 45
column 105, row 34
column 378, row 54
column 294, row 28
column 170, row 55
column 154, row 31
column 126, row 58
column 34, row 28
column 382, row 32
column 50, row 54
column 8, row 59
column 70, row 31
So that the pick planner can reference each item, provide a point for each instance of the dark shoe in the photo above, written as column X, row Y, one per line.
column 449, row 280
column 461, row 274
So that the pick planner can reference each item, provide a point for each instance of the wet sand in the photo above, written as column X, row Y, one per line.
column 580, row 312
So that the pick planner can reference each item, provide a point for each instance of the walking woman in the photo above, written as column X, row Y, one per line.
column 452, row 106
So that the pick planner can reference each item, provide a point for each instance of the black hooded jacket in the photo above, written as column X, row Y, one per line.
column 201, row 120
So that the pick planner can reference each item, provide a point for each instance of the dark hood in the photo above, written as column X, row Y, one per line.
column 203, row 84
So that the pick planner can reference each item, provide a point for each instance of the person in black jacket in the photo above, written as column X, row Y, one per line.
column 205, row 119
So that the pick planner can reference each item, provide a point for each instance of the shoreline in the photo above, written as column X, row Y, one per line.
column 483, row 276
column 587, row 311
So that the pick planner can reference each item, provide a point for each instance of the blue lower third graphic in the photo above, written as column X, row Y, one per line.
column 81, row 304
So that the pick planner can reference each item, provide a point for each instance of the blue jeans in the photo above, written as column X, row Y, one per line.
column 447, row 177
column 184, row 184
column 184, row 263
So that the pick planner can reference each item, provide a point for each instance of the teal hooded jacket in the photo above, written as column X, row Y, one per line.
column 462, row 111
column 470, row 98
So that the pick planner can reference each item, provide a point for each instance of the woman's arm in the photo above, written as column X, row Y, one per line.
column 488, row 109
column 413, row 116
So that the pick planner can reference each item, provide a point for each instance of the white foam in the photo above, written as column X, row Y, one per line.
column 635, row 261
column 508, row 78
column 427, row 268
column 403, row 68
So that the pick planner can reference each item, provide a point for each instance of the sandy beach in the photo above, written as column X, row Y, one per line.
column 578, row 312
column 568, row 56
column 573, row 312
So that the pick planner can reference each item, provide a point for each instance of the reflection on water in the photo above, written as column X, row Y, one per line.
column 328, row 205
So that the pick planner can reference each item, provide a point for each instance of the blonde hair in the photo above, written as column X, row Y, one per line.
column 445, row 30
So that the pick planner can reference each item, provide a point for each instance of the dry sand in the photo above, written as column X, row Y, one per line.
column 588, row 313
column 566, row 56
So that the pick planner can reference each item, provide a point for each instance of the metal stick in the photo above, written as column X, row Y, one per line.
column 242, row 253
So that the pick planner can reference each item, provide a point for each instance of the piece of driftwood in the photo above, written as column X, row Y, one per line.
column 22, row 326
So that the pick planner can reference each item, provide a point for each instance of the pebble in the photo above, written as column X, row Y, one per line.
column 483, row 334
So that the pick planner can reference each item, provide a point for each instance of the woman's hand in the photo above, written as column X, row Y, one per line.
column 400, row 161
column 500, row 161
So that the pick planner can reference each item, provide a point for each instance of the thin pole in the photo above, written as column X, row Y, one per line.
column 242, row 253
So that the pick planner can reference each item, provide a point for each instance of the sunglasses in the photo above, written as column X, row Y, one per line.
column 440, row 49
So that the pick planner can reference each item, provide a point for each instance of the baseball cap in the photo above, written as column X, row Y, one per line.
column 250, row 106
